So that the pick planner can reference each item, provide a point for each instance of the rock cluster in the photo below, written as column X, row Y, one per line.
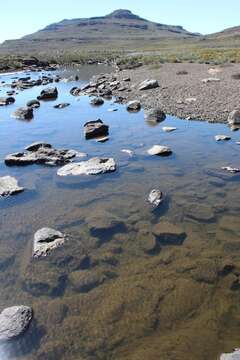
column 40, row 153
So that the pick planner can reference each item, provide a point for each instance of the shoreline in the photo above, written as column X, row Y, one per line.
column 182, row 92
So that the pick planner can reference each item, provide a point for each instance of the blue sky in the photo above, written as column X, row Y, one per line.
column 21, row 17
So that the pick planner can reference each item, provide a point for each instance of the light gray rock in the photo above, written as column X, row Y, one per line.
column 231, row 169
column 134, row 105
column 231, row 356
column 46, row 240
column 92, row 166
column 234, row 117
column 210, row 80
column 14, row 321
column 9, row 186
column 169, row 129
column 148, row 84
column 155, row 197
column 222, row 138
column 23, row 113
column 159, row 150
column 155, row 115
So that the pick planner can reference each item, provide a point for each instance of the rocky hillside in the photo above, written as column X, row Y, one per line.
column 119, row 27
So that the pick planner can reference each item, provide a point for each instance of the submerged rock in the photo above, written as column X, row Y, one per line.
column 46, row 240
column 48, row 94
column 148, row 84
column 14, row 321
column 134, row 105
column 160, row 150
column 93, row 129
column 40, row 153
column 155, row 115
column 9, row 186
column 7, row 101
column 86, row 280
column 23, row 113
column 234, row 117
column 169, row 234
column 92, row 166
column 155, row 197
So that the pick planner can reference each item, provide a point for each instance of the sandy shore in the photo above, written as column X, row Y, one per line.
column 183, row 93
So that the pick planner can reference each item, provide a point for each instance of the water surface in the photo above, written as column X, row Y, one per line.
column 103, row 295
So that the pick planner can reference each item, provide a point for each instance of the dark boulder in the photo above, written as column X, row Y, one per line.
column 93, row 129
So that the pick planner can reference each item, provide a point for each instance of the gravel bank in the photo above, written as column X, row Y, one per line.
column 183, row 93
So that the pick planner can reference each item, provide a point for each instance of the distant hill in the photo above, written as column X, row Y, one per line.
column 119, row 27
column 233, row 32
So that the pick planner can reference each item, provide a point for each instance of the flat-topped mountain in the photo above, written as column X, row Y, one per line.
column 117, row 27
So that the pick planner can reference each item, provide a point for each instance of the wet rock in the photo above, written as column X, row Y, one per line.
column 234, row 117
column 9, row 186
column 134, row 105
column 222, row 138
column 148, row 84
column 23, row 113
column 37, row 145
column 169, row 234
column 230, row 169
column 46, row 240
column 14, row 321
column 93, row 129
column 61, row 106
column 169, row 129
column 40, row 153
column 75, row 91
column 102, row 139
column 6, row 101
column 48, row 94
column 160, row 150
column 34, row 104
column 92, row 166
column 235, row 355
column 97, row 101
column 86, row 280
column 155, row 115
column 155, row 197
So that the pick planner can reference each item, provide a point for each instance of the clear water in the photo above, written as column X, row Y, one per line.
column 179, row 302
